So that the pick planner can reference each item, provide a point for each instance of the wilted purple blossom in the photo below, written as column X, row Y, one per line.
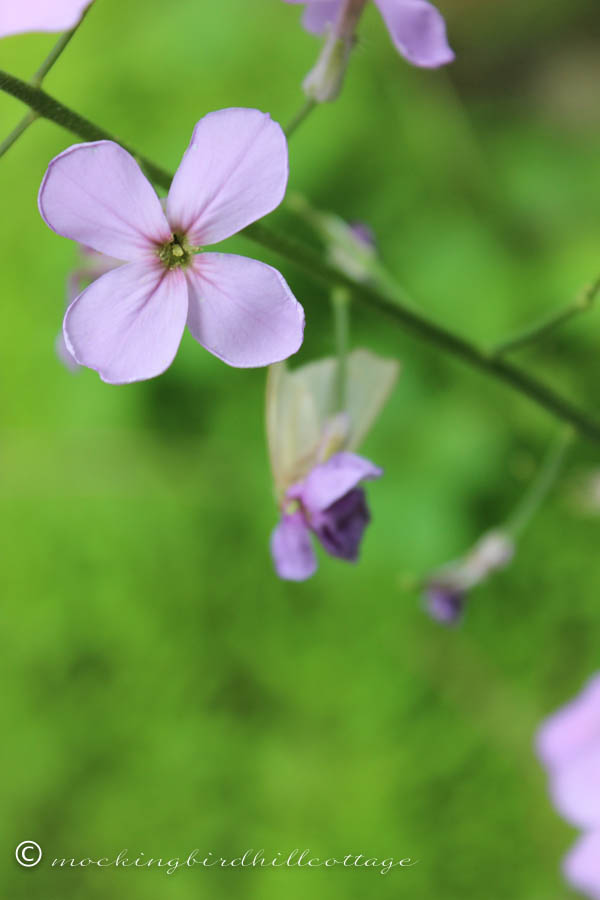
column 330, row 504
column 18, row 16
column 318, row 476
column 446, row 589
column 127, row 325
column 568, row 744
column 416, row 27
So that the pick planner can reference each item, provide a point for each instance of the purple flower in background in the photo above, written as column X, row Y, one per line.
column 330, row 504
column 444, row 602
column 18, row 16
column 416, row 27
column 127, row 325
column 318, row 476
column 568, row 744
column 446, row 590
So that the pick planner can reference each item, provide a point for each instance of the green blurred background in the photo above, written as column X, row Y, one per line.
column 162, row 689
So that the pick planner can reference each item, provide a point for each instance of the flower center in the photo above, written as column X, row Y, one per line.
column 177, row 252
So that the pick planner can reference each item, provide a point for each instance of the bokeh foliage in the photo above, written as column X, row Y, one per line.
column 162, row 690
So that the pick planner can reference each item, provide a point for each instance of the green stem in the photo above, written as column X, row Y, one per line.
column 57, row 50
column 306, row 258
column 541, row 485
column 303, row 113
column 543, row 329
column 36, row 81
column 49, row 108
column 340, row 301
column 17, row 131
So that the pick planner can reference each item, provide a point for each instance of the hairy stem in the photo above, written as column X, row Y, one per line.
column 312, row 263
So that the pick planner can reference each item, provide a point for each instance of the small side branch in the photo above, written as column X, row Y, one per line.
column 548, row 326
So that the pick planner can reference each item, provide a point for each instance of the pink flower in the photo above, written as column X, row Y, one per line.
column 18, row 16
column 127, row 325
column 416, row 27
column 568, row 743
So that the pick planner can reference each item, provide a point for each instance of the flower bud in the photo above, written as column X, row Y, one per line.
column 324, row 81
column 446, row 590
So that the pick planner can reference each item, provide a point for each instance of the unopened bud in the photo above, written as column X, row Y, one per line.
column 324, row 81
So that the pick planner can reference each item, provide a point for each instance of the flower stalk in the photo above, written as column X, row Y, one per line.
column 340, row 301
column 302, row 114
column 541, row 485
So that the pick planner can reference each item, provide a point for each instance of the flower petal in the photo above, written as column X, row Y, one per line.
column 97, row 194
column 242, row 310
column 63, row 353
column 582, row 865
column 340, row 527
column 127, row 325
column 418, row 31
column 291, row 549
column 319, row 14
column 293, row 427
column 40, row 15
column 332, row 479
column 571, row 730
column 575, row 789
column 234, row 171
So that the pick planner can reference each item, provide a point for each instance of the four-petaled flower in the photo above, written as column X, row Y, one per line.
column 19, row 16
column 568, row 743
column 417, row 28
column 317, row 475
column 127, row 325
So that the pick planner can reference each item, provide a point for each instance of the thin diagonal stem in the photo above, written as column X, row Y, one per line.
column 17, row 131
column 36, row 81
column 56, row 51
column 315, row 266
column 540, row 331
column 302, row 114
column 542, row 483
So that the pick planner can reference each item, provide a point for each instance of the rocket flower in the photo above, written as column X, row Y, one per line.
column 127, row 325
column 318, row 476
